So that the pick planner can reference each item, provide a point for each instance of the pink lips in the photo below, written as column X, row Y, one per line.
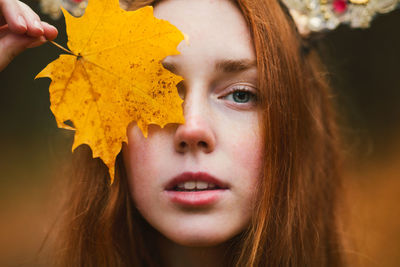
column 195, row 198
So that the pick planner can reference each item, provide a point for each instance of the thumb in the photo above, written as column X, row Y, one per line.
column 11, row 45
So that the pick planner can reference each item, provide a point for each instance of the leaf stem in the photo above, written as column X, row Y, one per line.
column 63, row 48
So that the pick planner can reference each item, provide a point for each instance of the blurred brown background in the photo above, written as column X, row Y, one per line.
column 364, row 68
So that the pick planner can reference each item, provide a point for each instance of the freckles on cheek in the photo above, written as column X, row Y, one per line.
column 138, row 152
column 142, row 172
column 247, row 161
column 144, row 160
column 248, row 152
column 144, row 165
column 138, row 147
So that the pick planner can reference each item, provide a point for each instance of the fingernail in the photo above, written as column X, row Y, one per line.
column 22, row 22
column 38, row 26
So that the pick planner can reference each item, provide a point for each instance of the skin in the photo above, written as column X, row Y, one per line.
column 221, row 135
column 20, row 28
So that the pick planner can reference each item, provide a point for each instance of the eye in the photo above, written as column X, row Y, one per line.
column 240, row 95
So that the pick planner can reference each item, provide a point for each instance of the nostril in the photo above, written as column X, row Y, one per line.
column 203, row 144
column 182, row 144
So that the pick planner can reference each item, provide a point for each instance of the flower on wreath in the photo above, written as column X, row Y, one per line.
column 53, row 7
column 322, row 15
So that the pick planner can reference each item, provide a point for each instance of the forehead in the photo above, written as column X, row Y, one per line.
column 216, row 29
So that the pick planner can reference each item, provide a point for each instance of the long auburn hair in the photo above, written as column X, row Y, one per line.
column 295, row 219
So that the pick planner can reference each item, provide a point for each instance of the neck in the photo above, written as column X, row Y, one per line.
column 175, row 255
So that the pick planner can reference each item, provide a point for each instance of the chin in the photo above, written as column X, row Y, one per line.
column 197, row 240
column 204, row 236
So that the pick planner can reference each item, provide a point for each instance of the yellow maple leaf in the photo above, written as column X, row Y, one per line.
column 114, row 76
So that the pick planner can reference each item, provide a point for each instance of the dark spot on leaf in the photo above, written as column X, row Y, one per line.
column 96, row 96
column 133, row 65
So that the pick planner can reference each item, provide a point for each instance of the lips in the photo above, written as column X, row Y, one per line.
column 194, row 181
column 197, row 189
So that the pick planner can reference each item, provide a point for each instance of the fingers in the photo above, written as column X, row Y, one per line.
column 22, row 20
column 37, row 42
column 50, row 32
column 32, row 20
column 12, row 44
column 12, row 14
column 20, row 28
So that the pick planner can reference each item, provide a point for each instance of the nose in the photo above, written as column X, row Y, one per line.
column 195, row 135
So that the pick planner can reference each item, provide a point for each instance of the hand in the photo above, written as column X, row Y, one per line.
column 20, row 28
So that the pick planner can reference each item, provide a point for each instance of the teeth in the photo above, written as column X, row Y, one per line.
column 191, row 185
column 201, row 185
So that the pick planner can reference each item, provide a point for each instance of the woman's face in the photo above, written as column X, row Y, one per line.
column 196, row 182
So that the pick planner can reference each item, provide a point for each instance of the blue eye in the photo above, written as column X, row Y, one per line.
column 241, row 96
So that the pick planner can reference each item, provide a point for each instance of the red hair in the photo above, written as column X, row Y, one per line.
column 294, row 222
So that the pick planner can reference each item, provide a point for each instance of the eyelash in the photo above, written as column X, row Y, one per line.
column 253, row 96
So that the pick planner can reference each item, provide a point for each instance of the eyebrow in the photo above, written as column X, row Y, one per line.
column 234, row 65
column 226, row 65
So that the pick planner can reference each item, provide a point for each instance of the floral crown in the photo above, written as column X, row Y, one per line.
column 324, row 15
column 309, row 15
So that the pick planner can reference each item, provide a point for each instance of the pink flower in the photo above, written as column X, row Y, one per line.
column 339, row 6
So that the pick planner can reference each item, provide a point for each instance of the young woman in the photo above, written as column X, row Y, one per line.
column 250, row 179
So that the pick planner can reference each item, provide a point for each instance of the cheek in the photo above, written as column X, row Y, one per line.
column 138, row 147
column 248, row 153
column 144, row 153
column 245, row 145
column 143, row 157
column 247, row 158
